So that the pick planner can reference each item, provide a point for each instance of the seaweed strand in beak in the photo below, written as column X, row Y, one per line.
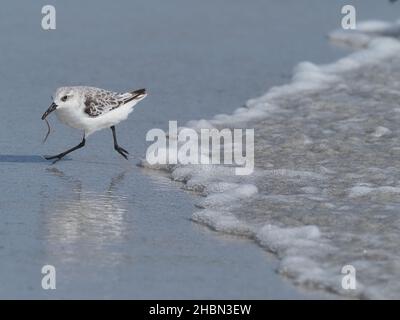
column 52, row 107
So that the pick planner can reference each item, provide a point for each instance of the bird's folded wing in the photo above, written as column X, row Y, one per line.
column 101, row 102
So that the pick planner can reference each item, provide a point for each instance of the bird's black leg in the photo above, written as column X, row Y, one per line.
column 119, row 149
column 63, row 154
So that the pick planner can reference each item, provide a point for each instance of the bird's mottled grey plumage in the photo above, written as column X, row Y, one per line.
column 100, row 101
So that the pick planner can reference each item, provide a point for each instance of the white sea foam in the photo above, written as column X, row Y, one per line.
column 380, row 132
column 365, row 32
column 360, row 191
column 223, row 221
column 325, row 191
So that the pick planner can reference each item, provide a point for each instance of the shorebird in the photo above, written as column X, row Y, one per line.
column 91, row 109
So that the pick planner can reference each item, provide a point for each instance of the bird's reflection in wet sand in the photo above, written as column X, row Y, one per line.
column 83, row 222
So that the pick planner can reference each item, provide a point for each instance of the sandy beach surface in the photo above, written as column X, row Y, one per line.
column 111, row 228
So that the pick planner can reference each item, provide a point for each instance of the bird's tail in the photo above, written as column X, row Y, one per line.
column 138, row 94
column 135, row 96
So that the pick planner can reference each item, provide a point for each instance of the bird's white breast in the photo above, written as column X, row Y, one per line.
column 76, row 118
column 71, row 117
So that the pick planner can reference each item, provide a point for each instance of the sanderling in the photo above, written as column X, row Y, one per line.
column 91, row 109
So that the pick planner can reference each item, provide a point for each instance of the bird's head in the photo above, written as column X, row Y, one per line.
column 65, row 97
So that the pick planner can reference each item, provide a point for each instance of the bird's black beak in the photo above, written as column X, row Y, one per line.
column 52, row 107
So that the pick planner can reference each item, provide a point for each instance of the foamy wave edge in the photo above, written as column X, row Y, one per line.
column 224, row 191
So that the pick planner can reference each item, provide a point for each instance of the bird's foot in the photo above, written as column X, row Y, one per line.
column 122, row 151
column 56, row 158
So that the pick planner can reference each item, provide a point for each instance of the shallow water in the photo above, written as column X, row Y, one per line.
column 345, row 137
column 325, row 192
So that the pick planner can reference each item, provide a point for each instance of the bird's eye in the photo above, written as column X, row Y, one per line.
column 64, row 98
